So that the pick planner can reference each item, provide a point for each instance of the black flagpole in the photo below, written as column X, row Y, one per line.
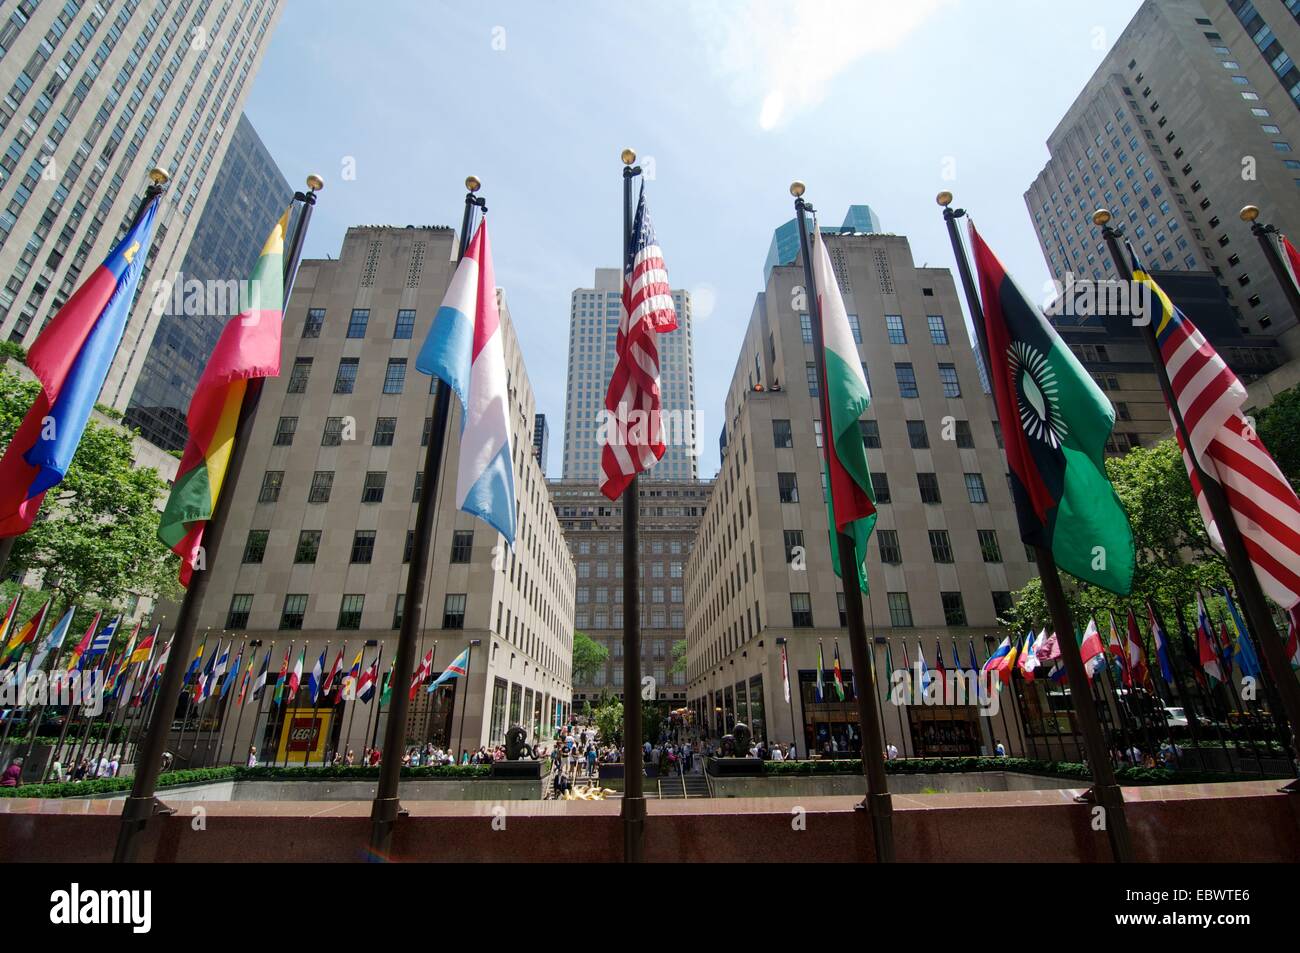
column 633, row 808
column 386, row 807
column 141, row 805
column 1105, row 791
column 1265, row 233
column 877, row 802
column 1259, row 618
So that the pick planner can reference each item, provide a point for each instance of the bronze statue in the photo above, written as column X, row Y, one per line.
column 516, row 747
column 742, row 738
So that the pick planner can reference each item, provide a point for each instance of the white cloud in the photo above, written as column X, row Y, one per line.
column 782, row 55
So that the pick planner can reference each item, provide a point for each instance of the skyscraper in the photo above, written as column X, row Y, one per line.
column 1191, row 116
column 96, row 95
column 541, row 440
column 593, row 331
column 249, row 194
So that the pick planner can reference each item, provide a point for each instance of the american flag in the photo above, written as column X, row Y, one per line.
column 634, row 429
column 1264, row 506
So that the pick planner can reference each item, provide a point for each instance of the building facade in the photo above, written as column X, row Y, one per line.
column 97, row 94
column 315, row 553
column 541, row 440
column 1194, row 114
column 593, row 332
column 593, row 529
column 946, row 553
column 248, row 196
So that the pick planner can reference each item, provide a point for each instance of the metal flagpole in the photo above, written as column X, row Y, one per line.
column 1259, row 618
column 239, row 719
column 783, row 644
column 1105, row 791
column 464, row 708
column 1265, row 234
column 367, row 739
column 877, row 803
column 354, row 701
column 386, row 808
column 142, row 804
column 315, row 704
column 633, row 806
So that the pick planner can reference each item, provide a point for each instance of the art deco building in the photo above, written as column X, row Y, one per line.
column 319, row 537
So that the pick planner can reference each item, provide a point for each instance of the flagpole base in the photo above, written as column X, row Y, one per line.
column 881, row 809
column 1087, row 797
column 136, row 812
column 634, row 814
column 1292, row 788
column 383, row 818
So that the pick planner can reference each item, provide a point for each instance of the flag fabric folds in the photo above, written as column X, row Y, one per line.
column 457, row 669
column 1293, row 638
column 1206, row 645
column 838, row 673
column 466, row 350
column 248, row 349
column 785, row 673
column 820, row 687
column 421, row 673
column 1212, row 400
column 1242, row 649
column 70, row 358
column 1055, row 424
column 19, row 641
column 1162, row 645
column 633, row 439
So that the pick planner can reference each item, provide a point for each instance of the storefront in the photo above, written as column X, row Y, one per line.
column 830, row 726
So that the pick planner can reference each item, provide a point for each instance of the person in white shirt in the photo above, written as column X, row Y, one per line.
column 891, row 751
column 102, row 770
column 113, row 767
column 776, row 753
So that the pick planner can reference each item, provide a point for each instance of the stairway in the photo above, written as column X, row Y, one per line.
column 685, row 786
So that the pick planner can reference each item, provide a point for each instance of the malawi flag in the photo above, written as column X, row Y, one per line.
column 1055, row 424
column 71, row 359
column 249, row 348
column 851, row 502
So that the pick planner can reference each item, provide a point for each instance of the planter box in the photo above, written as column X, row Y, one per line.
column 517, row 770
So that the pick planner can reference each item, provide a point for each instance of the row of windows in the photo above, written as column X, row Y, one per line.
column 927, row 483
column 351, row 606
column 363, row 546
column 900, row 609
column 905, row 373
column 891, row 552
column 339, row 428
column 359, row 322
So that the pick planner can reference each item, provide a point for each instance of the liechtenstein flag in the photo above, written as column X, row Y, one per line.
column 70, row 359
column 465, row 349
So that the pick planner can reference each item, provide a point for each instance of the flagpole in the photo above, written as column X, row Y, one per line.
column 315, row 705
column 386, row 807
column 1259, row 617
column 877, row 802
column 784, row 644
column 1105, row 791
column 1265, row 234
column 464, row 709
column 253, row 645
column 633, row 807
column 142, row 804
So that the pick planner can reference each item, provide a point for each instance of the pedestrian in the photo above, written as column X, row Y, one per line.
column 252, row 757
column 1000, row 750
column 13, row 774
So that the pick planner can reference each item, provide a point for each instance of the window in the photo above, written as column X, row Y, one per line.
column 894, row 325
column 917, row 435
column 332, row 436
column 385, row 429
column 906, row 380
column 395, row 375
column 948, row 377
column 789, row 487
column 975, row 488
column 315, row 319
column 900, row 610
column 782, row 438
column 954, row 613
column 428, row 429
column 929, row 485
column 965, row 440
column 409, row 546
column 940, row 546
column 322, row 482
column 346, row 379
column 938, row 330
column 308, row 546
column 462, row 545
column 855, row 327
column 295, row 607
column 404, row 329
column 363, row 546
column 284, row 431
column 241, row 604
column 805, row 328
column 272, row 480
column 801, row 610
column 880, row 486
column 350, row 611
column 453, row 611
column 870, row 434
column 810, row 371
column 357, row 323
column 255, row 547
column 890, row 551
column 373, row 489
column 299, row 375
column 989, row 547
column 1002, row 604
column 793, row 541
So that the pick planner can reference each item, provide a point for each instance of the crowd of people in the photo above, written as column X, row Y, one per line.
column 87, row 769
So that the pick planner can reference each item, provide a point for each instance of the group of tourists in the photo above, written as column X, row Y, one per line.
column 87, row 769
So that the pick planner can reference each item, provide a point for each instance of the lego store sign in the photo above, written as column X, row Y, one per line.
column 304, row 736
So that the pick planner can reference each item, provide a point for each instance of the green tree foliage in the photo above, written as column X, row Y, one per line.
column 608, row 718
column 589, row 656
column 679, row 656
column 1278, row 425
column 96, row 538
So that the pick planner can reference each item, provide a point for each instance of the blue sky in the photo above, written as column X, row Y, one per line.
column 868, row 101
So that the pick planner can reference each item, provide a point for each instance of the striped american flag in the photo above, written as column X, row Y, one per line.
column 1211, row 399
column 633, row 433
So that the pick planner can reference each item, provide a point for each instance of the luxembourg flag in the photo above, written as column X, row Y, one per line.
column 465, row 349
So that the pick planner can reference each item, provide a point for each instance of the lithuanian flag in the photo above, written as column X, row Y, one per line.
column 249, row 349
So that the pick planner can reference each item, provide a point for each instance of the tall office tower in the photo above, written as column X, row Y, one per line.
column 946, row 553
column 593, row 528
column 541, row 440
column 96, row 95
column 320, row 527
column 249, row 194
column 593, row 333
column 1191, row 116
column 784, row 250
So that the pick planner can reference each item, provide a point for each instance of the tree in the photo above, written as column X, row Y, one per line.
column 1278, row 425
column 679, row 656
column 589, row 656
column 608, row 718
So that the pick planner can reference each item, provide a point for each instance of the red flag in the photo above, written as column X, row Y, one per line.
column 421, row 673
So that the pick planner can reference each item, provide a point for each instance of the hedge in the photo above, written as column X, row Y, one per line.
column 269, row 773
column 1057, row 769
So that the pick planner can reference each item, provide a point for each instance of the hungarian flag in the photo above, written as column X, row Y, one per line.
column 1205, row 643
column 851, row 502
column 1055, row 424
column 249, row 349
